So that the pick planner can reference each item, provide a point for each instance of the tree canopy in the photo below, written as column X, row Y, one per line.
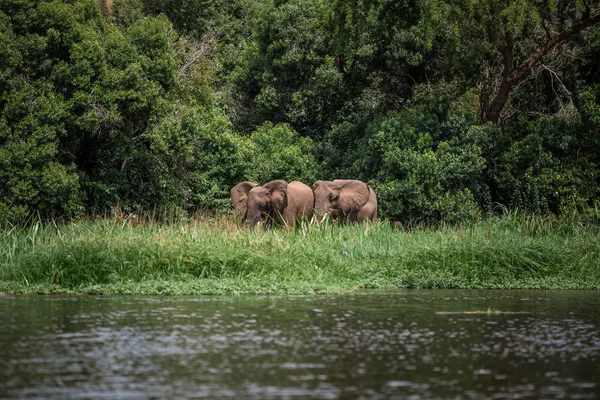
column 448, row 108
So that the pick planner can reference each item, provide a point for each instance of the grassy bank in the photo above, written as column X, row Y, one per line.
column 216, row 255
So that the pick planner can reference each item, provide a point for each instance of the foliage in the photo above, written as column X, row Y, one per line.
column 552, row 168
column 196, row 158
column 427, row 163
column 278, row 152
column 167, row 104
column 92, row 114
column 136, row 255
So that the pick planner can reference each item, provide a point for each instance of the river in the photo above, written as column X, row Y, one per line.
column 404, row 344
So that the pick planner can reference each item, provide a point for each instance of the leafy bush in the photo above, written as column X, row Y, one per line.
column 191, row 159
column 426, row 164
column 91, row 114
column 220, row 157
column 32, row 125
column 279, row 152
column 548, row 167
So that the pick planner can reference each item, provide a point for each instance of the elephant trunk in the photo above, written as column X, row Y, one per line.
column 252, row 220
column 320, row 211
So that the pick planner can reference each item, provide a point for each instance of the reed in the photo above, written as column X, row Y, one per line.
column 212, row 254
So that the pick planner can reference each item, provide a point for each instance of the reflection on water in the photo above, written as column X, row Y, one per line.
column 405, row 344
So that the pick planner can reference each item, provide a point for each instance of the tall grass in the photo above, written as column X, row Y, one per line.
column 216, row 254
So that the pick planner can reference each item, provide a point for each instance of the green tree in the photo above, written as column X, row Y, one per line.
column 284, row 73
column 524, row 35
column 32, row 124
column 95, row 114
column 196, row 159
column 279, row 152
column 549, row 166
column 427, row 163
column 505, row 39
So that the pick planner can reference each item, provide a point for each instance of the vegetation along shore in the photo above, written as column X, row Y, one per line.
column 221, row 256
column 480, row 119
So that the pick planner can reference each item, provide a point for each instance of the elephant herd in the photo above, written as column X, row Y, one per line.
column 348, row 199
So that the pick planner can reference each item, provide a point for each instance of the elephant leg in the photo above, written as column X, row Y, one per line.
column 289, row 216
column 352, row 216
column 367, row 212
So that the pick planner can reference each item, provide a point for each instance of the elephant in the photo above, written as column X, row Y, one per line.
column 353, row 200
column 275, row 201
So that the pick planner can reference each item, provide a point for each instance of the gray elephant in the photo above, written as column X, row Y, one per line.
column 274, row 201
column 353, row 200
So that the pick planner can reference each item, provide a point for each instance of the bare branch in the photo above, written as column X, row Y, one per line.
column 198, row 51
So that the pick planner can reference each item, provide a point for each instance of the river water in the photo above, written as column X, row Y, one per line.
column 416, row 344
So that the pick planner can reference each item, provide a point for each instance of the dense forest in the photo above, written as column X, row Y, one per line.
column 451, row 110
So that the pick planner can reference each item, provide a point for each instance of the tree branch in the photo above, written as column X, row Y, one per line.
column 518, row 72
column 512, row 76
column 494, row 39
column 507, row 56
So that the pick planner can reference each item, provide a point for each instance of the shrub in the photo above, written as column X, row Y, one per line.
column 91, row 115
column 549, row 167
column 427, row 164
column 279, row 152
column 32, row 126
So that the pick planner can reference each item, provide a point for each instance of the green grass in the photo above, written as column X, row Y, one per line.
column 214, row 255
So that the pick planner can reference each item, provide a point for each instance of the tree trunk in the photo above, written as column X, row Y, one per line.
column 511, row 76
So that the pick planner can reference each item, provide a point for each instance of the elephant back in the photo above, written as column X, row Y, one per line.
column 301, row 199
column 369, row 210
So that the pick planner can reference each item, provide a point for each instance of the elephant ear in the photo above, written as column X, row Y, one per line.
column 239, row 195
column 353, row 195
column 279, row 194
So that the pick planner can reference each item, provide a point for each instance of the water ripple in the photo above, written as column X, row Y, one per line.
column 386, row 345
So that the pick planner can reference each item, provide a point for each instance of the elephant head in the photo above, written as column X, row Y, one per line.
column 258, row 202
column 341, row 196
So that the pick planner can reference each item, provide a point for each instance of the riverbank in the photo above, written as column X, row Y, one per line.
column 218, row 256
